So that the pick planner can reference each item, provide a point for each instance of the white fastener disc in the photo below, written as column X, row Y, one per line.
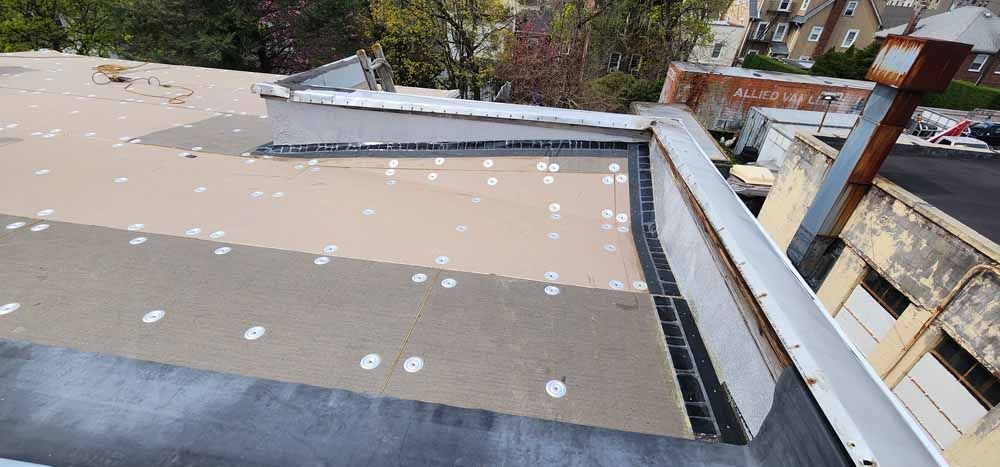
column 16, row 225
column 551, row 290
column 192, row 231
column 616, row 284
column 607, row 213
column 39, row 227
column 555, row 388
column 621, row 178
column 439, row 161
column 442, row 260
column 222, row 250
column 552, row 275
column 321, row 260
column 553, row 167
column 606, row 226
column 137, row 241
column 418, row 277
column 254, row 333
column 371, row 361
column 390, row 182
column 197, row 148
column 299, row 166
column 390, row 172
column 554, row 207
column 449, row 283
column 548, row 179
column 9, row 308
column 153, row 316
column 488, row 163
column 200, row 189
column 256, row 194
column 368, row 211
column 542, row 166
column 555, row 216
column 614, row 167
column 121, row 179
column 249, row 161
column 278, row 194
column 491, row 181
column 610, row 247
column 217, row 234
column 460, row 228
column 136, row 227
column 621, row 217
column 413, row 364
column 432, row 176
column 313, row 162
column 43, row 172
column 314, row 169
column 45, row 212
column 622, row 228
column 476, row 200
column 554, row 235
column 394, row 163
column 639, row 285
column 607, row 179
column 330, row 249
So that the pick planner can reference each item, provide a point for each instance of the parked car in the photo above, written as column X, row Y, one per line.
column 963, row 141
column 986, row 131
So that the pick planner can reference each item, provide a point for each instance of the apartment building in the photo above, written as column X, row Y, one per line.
column 804, row 29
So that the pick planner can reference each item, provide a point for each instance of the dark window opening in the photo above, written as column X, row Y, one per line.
column 981, row 383
column 891, row 299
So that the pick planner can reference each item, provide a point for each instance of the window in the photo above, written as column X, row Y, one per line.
column 973, row 375
column 751, row 52
column 784, row 5
column 761, row 29
column 805, row 5
column 614, row 63
column 850, row 38
column 883, row 292
column 851, row 7
column 717, row 49
column 978, row 63
column 779, row 32
column 634, row 63
column 814, row 33
column 805, row 58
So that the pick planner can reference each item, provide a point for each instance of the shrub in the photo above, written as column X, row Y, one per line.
column 761, row 62
column 614, row 91
column 962, row 95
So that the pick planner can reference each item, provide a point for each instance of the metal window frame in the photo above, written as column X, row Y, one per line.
column 844, row 44
column 787, row 7
column 784, row 32
column 852, row 10
column 818, row 34
column 982, row 65
column 878, row 297
column 617, row 61
column 962, row 377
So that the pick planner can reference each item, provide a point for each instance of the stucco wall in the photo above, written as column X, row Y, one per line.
column 798, row 180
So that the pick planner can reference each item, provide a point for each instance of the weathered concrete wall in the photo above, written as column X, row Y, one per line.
column 973, row 316
column 845, row 274
column 805, row 165
column 742, row 363
column 722, row 102
column 979, row 447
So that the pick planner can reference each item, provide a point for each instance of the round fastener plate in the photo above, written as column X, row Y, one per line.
column 136, row 226
column 312, row 162
column 621, row 178
column 639, row 285
column 371, row 361
column 153, row 316
column 554, row 235
column 614, row 167
column 192, row 231
column 413, row 364
column 548, row 179
column 610, row 247
column 606, row 226
column 432, row 176
column 551, row 275
column 492, row 181
column 449, row 283
column 368, row 211
column 460, row 228
column 223, row 250
column 555, row 216
column 390, row 172
column 438, row 161
column 9, row 308
column 45, row 212
column 621, row 217
column 542, row 166
column 137, row 241
column 254, row 333
column 616, row 284
column 278, row 194
column 607, row 179
column 607, row 213
column 555, row 388
column 419, row 277
column 330, row 249
column 476, row 200
column 200, row 189
column 217, row 234
column 553, row 167
column 442, row 260
column 16, row 225
column 39, row 227
column 256, row 194
column 321, row 260
column 551, row 290
column 43, row 172
column 554, row 207
column 394, row 163
column 488, row 163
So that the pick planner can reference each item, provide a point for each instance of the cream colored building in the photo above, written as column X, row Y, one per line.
column 914, row 283
column 804, row 29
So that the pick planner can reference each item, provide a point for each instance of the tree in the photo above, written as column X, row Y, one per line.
column 850, row 64
column 271, row 36
column 79, row 26
column 453, row 43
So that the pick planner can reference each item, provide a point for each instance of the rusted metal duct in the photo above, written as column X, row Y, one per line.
column 904, row 69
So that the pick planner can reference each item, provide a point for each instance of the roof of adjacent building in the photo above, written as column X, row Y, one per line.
column 969, row 25
column 739, row 72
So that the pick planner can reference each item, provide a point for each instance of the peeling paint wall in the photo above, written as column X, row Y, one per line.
column 801, row 173
column 972, row 319
column 845, row 274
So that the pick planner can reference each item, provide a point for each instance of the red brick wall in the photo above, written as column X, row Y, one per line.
column 989, row 75
column 715, row 97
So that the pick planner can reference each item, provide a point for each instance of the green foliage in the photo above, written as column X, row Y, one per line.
column 80, row 26
column 614, row 92
column 761, row 62
column 850, row 64
column 962, row 95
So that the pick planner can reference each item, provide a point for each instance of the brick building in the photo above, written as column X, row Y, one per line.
column 721, row 97
column 970, row 25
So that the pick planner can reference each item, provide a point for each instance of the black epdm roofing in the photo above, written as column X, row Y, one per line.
column 963, row 184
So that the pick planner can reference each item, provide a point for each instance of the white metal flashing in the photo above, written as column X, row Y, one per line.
column 872, row 425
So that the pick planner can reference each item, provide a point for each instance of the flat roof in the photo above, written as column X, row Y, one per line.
column 739, row 72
